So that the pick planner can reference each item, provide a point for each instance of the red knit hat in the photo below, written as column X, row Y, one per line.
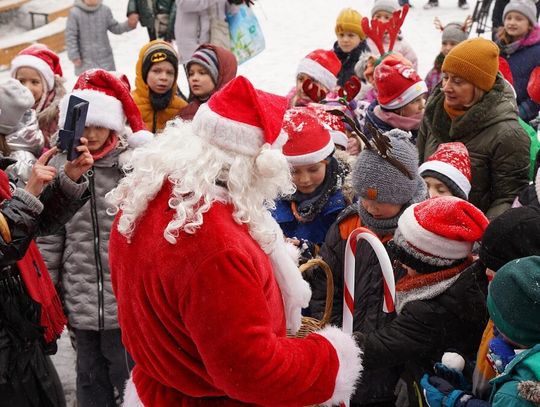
column 333, row 123
column 533, row 87
column 309, row 141
column 42, row 59
column 111, row 104
column 397, row 84
column 450, row 164
column 241, row 119
column 437, row 233
column 322, row 65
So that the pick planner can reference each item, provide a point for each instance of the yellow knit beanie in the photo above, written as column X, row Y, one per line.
column 475, row 60
column 350, row 20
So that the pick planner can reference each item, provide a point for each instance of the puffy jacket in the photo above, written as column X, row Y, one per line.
column 498, row 146
column 86, row 36
column 78, row 257
column 155, row 120
column 148, row 15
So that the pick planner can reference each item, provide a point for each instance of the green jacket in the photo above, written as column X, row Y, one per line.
column 513, row 387
column 147, row 14
column 535, row 147
column 498, row 146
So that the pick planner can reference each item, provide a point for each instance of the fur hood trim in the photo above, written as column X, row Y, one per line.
column 530, row 391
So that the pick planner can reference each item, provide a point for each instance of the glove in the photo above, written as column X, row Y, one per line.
column 500, row 354
column 452, row 376
column 439, row 393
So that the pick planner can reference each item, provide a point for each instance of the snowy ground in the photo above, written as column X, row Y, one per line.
column 292, row 29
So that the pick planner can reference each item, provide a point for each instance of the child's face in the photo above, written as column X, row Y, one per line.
column 31, row 79
column 516, row 24
column 446, row 47
column 308, row 177
column 348, row 41
column 301, row 99
column 436, row 187
column 380, row 210
column 413, row 108
column 200, row 81
column 96, row 136
column 160, row 77
column 383, row 16
column 91, row 2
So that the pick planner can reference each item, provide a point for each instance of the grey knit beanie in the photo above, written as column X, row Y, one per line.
column 375, row 178
column 206, row 57
column 525, row 7
column 454, row 32
column 384, row 5
column 15, row 99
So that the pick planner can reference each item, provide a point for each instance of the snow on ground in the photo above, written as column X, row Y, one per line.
column 292, row 29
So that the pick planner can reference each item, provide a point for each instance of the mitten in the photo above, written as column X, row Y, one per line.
column 452, row 376
column 439, row 393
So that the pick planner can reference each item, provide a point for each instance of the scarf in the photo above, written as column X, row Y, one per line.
column 453, row 113
column 397, row 121
column 160, row 101
column 110, row 144
column 381, row 227
column 510, row 48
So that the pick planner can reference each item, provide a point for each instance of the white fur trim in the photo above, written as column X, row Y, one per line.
column 139, row 138
column 415, row 90
column 131, row 397
column 33, row 62
column 226, row 133
column 537, row 184
column 428, row 241
column 103, row 110
column 317, row 72
column 281, row 140
column 313, row 157
column 339, row 138
column 449, row 171
column 350, row 364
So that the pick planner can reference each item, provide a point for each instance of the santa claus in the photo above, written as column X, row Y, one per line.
column 206, row 284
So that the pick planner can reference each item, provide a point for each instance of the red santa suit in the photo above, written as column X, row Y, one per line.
column 204, row 318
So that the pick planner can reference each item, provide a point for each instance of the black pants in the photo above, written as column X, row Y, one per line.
column 103, row 366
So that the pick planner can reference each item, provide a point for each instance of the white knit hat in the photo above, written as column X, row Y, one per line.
column 384, row 5
column 525, row 7
column 15, row 100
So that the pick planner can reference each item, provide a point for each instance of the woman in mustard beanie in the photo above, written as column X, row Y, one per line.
column 351, row 42
column 476, row 106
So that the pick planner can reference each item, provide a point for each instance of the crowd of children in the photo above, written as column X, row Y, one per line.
column 431, row 167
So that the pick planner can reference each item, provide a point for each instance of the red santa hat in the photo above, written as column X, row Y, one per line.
column 110, row 104
column 451, row 165
column 241, row 119
column 438, row 233
column 397, row 84
column 333, row 123
column 309, row 141
column 322, row 65
column 40, row 58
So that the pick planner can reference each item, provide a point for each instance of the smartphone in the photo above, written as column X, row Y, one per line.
column 69, row 138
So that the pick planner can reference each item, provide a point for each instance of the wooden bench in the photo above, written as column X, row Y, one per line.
column 49, row 11
column 11, row 5
column 51, row 34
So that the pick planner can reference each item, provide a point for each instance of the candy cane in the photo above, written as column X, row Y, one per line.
column 348, row 289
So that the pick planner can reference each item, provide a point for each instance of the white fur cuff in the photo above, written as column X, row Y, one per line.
column 350, row 364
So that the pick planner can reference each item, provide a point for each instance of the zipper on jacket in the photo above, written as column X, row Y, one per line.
column 97, row 255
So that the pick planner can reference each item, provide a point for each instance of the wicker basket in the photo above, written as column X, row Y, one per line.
column 309, row 324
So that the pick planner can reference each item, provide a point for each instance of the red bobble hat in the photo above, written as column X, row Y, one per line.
column 397, row 84
column 40, row 58
column 451, row 165
column 241, row 119
column 110, row 104
column 309, row 141
column 322, row 65
column 438, row 233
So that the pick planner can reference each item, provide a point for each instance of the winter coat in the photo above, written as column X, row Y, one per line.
column 348, row 61
column 227, row 66
column 78, row 257
column 450, row 314
column 49, row 114
column 314, row 231
column 192, row 25
column 519, row 386
column 498, row 146
column 401, row 46
column 155, row 120
column 26, row 144
column 86, row 36
column 378, row 385
column 522, row 61
column 148, row 15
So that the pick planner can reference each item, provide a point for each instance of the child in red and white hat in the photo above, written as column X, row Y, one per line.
column 78, row 256
column 400, row 98
column 306, row 215
column 38, row 68
column 448, row 171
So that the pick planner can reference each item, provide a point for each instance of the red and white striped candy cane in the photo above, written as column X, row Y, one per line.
column 349, row 272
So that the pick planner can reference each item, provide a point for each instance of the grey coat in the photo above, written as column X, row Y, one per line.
column 78, row 258
column 86, row 36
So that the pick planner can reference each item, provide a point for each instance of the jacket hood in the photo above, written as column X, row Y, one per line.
column 83, row 6
column 530, row 391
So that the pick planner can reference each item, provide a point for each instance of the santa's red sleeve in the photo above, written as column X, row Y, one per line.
column 225, row 309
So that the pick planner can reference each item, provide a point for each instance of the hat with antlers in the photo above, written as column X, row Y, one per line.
column 455, row 31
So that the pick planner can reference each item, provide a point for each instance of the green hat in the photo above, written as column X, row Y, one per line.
column 514, row 300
